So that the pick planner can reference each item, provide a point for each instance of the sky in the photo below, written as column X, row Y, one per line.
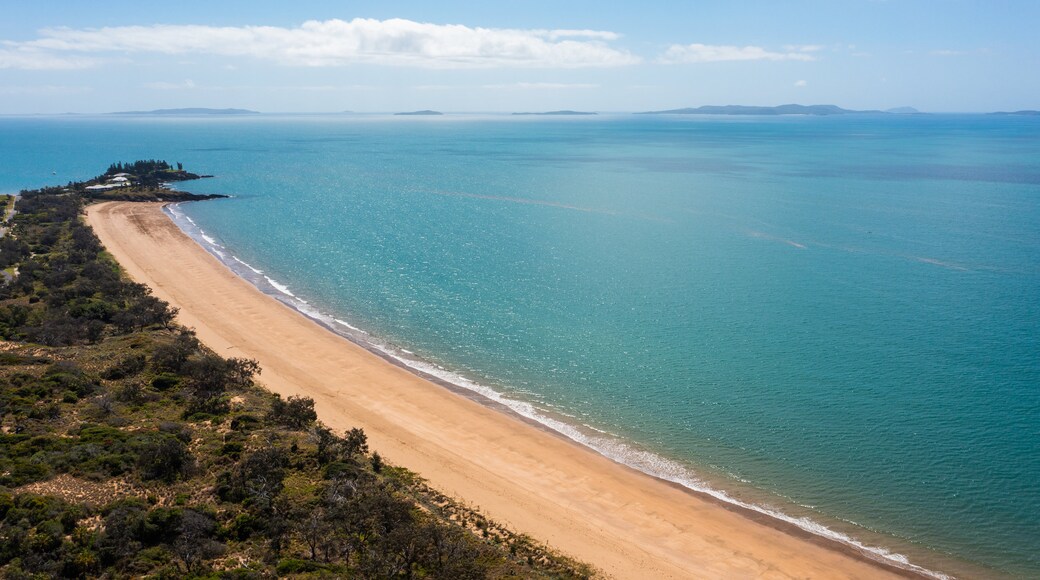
column 60, row 56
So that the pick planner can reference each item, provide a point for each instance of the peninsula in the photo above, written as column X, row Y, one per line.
column 425, row 112
column 143, row 180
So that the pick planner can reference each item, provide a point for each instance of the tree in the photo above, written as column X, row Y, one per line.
column 170, row 357
column 123, row 527
column 355, row 443
column 316, row 531
column 326, row 442
column 144, row 311
column 294, row 412
column 195, row 544
column 164, row 457
column 257, row 477
column 209, row 377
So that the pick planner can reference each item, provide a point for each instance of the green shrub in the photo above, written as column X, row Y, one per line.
column 127, row 367
column 14, row 473
column 178, row 430
column 288, row 566
column 245, row 423
column 232, row 449
column 68, row 376
column 13, row 359
column 338, row 468
column 243, row 526
column 161, row 526
column 165, row 381
column 103, row 434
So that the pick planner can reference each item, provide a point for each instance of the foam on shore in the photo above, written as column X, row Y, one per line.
column 603, row 443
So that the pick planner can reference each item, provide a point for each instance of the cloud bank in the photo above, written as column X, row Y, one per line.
column 395, row 42
column 696, row 53
column 12, row 56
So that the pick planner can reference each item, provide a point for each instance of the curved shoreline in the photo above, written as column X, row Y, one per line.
column 613, row 516
column 612, row 447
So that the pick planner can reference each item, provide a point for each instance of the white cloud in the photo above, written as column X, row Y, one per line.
column 323, row 88
column 945, row 52
column 436, row 87
column 801, row 83
column 165, row 86
column 43, row 90
column 29, row 59
column 335, row 42
column 694, row 53
column 569, row 33
column 541, row 86
column 803, row 48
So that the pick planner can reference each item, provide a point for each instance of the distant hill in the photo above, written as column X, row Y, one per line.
column 1025, row 113
column 190, row 111
column 745, row 110
column 558, row 113
column 903, row 111
column 423, row 112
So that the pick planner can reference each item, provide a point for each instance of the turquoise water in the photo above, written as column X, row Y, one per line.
column 836, row 318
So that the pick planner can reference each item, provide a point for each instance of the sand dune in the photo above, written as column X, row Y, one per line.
column 627, row 524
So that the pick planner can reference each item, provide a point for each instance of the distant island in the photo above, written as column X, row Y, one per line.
column 1025, row 113
column 423, row 112
column 904, row 111
column 190, row 111
column 558, row 113
column 746, row 110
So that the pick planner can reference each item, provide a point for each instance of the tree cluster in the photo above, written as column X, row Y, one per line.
column 66, row 290
column 149, row 172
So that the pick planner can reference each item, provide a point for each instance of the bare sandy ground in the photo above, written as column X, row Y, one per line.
column 625, row 523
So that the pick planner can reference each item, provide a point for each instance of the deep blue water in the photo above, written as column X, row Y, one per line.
column 837, row 317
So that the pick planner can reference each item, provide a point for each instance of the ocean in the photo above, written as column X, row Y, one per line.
column 835, row 320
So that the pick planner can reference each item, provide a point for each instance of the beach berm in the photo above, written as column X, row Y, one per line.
column 627, row 524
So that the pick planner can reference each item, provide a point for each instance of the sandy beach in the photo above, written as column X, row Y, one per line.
column 625, row 523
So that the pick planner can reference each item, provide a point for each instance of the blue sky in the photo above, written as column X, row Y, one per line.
column 315, row 56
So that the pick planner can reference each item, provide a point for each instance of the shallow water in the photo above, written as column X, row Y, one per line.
column 832, row 316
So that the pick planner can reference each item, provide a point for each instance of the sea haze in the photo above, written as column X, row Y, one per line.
column 833, row 317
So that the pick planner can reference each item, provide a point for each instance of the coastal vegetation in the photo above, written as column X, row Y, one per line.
column 129, row 449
